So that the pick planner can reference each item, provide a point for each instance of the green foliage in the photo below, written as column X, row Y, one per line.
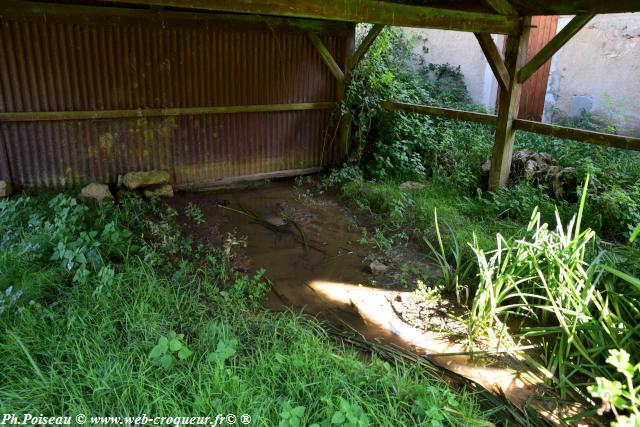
column 349, row 415
column 579, row 300
column 409, row 146
column 518, row 201
column 291, row 417
column 224, row 350
column 408, row 214
column 452, row 275
column 170, row 350
column 194, row 213
column 619, row 396
column 613, row 207
column 252, row 290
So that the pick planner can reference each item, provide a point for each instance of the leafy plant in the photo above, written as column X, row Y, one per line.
column 580, row 303
column 451, row 275
column 251, row 290
column 619, row 396
column 349, row 415
column 194, row 213
column 226, row 349
column 169, row 350
column 291, row 416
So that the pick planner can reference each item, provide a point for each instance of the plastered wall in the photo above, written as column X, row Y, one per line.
column 599, row 70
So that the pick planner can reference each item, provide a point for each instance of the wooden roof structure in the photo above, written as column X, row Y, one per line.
column 482, row 17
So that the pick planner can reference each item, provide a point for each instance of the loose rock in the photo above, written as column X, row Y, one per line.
column 95, row 191
column 412, row 185
column 134, row 180
column 164, row 190
column 376, row 267
column 123, row 192
column 275, row 220
column 531, row 165
column 5, row 188
column 544, row 168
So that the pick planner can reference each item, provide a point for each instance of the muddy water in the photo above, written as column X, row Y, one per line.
column 297, row 239
column 310, row 249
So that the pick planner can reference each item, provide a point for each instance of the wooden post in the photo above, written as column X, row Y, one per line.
column 344, row 127
column 508, row 105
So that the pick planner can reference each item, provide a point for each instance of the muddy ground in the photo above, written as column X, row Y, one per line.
column 299, row 236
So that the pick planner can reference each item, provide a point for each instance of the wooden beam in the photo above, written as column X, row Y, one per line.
column 368, row 11
column 365, row 45
column 508, row 105
column 503, row 7
column 448, row 113
column 553, row 46
column 326, row 57
column 586, row 136
column 494, row 58
column 590, row 137
column 17, row 10
column 159, row 112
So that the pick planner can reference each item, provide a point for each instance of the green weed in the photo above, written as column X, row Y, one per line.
column 619, row 396
column 170, row 350
column 194, row 213
column 580, row 301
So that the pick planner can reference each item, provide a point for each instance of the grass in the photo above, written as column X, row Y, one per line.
column 89, row 294
column 397, row 210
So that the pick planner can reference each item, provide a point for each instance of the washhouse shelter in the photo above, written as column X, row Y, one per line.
column 221, row 91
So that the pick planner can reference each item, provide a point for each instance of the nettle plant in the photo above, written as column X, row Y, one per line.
column 169, row 351
column 619, row 396
column 194, row 213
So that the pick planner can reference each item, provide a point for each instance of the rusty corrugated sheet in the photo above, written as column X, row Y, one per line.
column 47, row 65
column 534, row 89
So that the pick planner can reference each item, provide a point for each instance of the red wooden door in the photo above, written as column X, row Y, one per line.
column 535, row 88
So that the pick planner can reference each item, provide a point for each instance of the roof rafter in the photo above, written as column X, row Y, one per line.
column 369, row 11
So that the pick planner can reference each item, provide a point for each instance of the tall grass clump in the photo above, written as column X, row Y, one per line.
column 561, row 288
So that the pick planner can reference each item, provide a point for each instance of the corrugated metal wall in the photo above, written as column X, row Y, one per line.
column 534, row 89
column 48, row 64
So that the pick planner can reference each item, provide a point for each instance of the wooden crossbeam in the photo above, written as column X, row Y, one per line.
column 590, row 137
column 494, row 58
column 20, row 10
column 448, row 113
column 580, row 135
column 365, row 45
column 327, row 57
column 553, row 46
column 33, row 116
column 503, row 7
column 368, row 11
